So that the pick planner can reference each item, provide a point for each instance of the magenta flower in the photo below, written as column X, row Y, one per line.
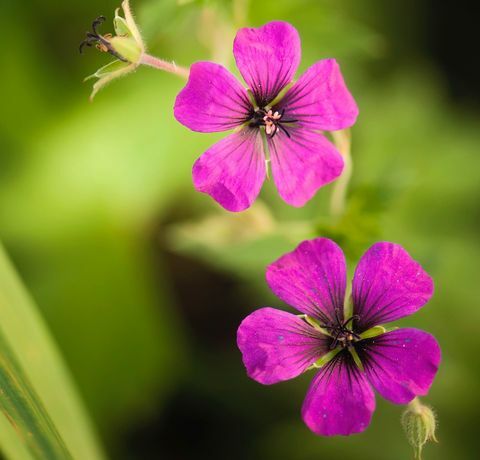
column 233, row 170
column 353, row 353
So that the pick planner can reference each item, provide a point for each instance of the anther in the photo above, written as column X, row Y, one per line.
column 101, row 42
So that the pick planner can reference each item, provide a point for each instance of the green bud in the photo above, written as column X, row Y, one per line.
column 419, row 424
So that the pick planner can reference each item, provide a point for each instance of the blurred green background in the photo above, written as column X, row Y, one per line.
column 143, row 282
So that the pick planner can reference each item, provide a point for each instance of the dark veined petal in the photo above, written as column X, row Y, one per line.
column 267, row 58
column 401, row 364
column 320, row 99
column 388, row 284
column 278, row 346
column 232, row 171
column 213, row 99
column 302, row 163
column 311, row 278
column 340, row 401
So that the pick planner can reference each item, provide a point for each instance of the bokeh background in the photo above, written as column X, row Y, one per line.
column 143, row 282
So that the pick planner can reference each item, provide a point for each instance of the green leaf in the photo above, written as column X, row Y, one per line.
column 39, row 403
column 23, row 409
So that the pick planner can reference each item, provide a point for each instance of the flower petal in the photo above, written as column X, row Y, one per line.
column 401, row 364
column 232, row 171
column 340, row 401
column 213, row 100
column 302, row 163
column 267, row 58
column 278, row 346
column 388, row 284
column 320, row 99
column 311, row 278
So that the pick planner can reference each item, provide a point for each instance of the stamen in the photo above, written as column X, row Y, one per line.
column 341, row 332
column 98, row 21
column 101, row 42
column 350, row 319
column 272, row 121
column 284, row 130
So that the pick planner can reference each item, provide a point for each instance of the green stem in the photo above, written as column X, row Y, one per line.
column 166, row 66
column 338, row 199
column 415, row 404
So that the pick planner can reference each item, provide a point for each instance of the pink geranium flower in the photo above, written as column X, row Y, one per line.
column 353, row 353
column 302, row 159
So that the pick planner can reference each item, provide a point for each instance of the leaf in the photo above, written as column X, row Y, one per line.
column 21, row 406
column 38, row 399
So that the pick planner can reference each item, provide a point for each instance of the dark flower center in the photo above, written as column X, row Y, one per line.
column 273, row 121
column 342, row 332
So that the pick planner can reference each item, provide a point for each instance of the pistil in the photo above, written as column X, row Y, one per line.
column 273, row 121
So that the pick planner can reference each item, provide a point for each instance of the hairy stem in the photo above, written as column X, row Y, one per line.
column 338, row 199
column 415, row 404
column 166, row 66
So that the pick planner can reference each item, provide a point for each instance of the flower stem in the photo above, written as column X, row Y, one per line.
column 415, row 404
column 342, row 140
column 166, row 66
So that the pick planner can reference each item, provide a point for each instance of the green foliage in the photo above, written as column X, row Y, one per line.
column 41, row 414
column 23, row 410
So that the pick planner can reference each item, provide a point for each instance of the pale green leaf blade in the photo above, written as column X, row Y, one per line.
column 38, row 395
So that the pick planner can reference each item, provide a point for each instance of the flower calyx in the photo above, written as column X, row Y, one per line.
column 126, row 46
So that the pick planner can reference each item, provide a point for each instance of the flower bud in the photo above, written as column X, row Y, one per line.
column 419, row 424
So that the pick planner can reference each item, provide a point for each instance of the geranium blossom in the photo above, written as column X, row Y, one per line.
column 302, row 159
column 353, row 353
